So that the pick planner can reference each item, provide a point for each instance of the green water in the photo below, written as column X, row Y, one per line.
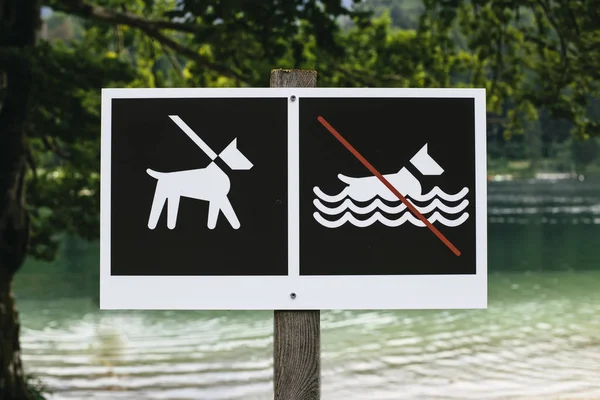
column 539, row 338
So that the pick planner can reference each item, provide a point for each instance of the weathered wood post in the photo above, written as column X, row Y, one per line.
column 296, row 345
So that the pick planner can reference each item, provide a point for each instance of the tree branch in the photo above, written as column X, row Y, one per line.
column 561, row 37
column 31, row 162
column 362, row 77
column 152, row 28
column 99, row 13
column 191, row 54
column 565, row 62
column 173, row 60
column 53, row 147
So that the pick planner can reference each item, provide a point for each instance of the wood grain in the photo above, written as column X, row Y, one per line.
column 293, row 78
column 297, row 353
column 297, row 339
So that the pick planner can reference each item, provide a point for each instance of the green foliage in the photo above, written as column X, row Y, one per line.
column 236, row 39
column 404, row 14
column 64, row 118
column 529, row 55
column 585, row 153
column 60, row 26
column 535, row 58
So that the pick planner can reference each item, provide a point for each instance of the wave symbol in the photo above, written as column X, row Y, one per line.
column 435, row 192
column 377, row 204
column 392, row 223
column 434, row 203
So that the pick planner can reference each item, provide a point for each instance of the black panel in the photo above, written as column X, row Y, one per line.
column 143, row 136
column 387, row 132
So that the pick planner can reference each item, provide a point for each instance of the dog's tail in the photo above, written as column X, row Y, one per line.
column 346, row 179
column 153, row 173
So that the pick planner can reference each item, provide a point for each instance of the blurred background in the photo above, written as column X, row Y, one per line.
column 540, row 63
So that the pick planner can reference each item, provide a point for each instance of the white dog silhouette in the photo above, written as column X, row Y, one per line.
column 365, row 188
column 210, row 184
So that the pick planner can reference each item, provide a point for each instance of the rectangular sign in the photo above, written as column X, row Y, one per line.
column 293, row 198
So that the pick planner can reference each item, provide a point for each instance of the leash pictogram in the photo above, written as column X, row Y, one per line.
column 210, row 184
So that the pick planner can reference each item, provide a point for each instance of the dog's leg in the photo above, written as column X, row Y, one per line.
column 229, row 212
column 158, row 203
column 213, row 214
column 172, row 209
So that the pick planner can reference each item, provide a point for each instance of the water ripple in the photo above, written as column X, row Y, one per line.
column 533, row 341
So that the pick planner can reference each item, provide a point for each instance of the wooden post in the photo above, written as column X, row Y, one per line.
column 296, row 345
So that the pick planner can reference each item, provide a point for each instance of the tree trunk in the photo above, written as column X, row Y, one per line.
column 12, row 379
column 14, row 236
column 19, row 21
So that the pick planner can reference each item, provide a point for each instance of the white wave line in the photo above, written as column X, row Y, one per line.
column 392, row 223
column 378, row 204
column 328, row 198
column 436, row 191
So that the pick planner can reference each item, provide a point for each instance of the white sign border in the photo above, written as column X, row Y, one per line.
column 311, row 292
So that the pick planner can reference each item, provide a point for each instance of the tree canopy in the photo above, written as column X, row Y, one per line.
column 535, row 58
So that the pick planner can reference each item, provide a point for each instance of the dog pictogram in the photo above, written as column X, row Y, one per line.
column 209, row 184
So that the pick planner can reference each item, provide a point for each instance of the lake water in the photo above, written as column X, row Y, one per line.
column 539, row 338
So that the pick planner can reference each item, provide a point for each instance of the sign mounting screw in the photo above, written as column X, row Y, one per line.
column 293, row 98
column 292, row 296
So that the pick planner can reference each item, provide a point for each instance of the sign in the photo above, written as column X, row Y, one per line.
column 293, row 198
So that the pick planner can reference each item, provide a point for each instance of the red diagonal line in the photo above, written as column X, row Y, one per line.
column 371, row 168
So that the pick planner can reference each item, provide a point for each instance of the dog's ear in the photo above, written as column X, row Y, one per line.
column 234, row 158
column 425, row 163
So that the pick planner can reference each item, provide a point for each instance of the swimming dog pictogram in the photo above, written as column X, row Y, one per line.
column 370, row 189
column 428, row 167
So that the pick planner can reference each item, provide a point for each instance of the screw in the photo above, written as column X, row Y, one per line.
column 293, row 295
column 293, row 98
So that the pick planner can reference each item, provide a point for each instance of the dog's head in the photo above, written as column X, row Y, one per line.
column 425, row 164
column 234, row 158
